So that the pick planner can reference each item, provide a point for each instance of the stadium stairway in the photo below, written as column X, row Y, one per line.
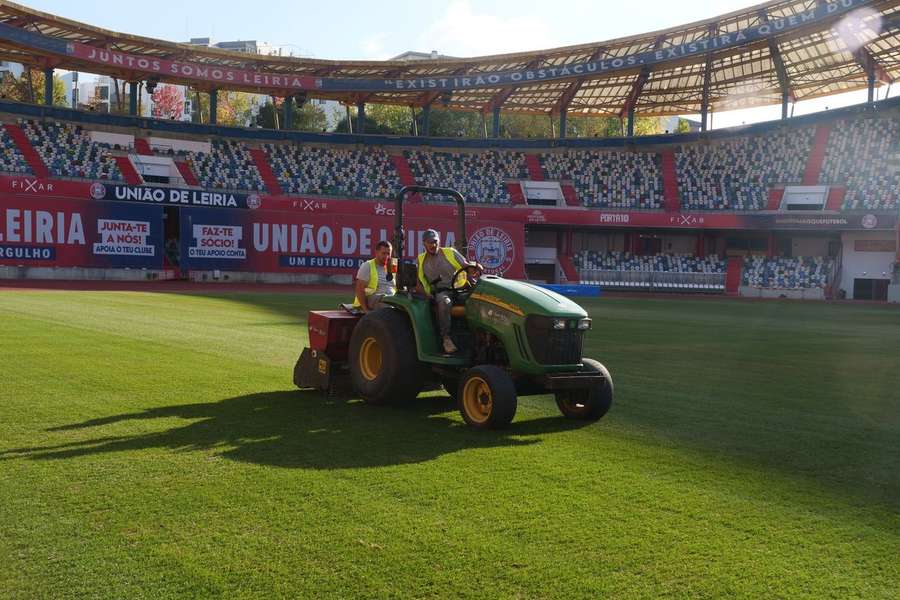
column 775, row 197
column 535, row 171
column 405, row 174
column 186, row 173
column 265, row 171
column 835, row 199
column 817, row 155
column 671, row 197
column 28, row 152
column 403, row 170
column 142, row 147
column 513, row 187
column 132, row 177
column 570, row 195
column 733, row 273
column 568, row 268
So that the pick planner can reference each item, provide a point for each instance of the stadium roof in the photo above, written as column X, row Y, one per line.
column 794, row 49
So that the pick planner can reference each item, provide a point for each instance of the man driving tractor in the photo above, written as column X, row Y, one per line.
column 436, row 269
column 374, row 279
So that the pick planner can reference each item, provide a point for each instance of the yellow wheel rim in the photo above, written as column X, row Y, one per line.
column 370, row 359
column 478, row 400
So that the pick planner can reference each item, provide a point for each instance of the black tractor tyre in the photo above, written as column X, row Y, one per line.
column 384, row 365
column 589, row 404
column 487, row 397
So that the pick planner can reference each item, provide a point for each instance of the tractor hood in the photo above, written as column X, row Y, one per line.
column 529, row 299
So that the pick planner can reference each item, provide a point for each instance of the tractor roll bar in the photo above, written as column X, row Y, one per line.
column 461, row 240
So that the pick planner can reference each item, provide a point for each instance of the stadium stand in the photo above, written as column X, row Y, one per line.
column 859, row 155
column 802, row 272
column 661, row 263
column 609, row 179
column 68, row 151
column 333, row 171
column 228, row 165
column 719, row 171
column 11, row 159
column 736, row 174
column 480, row 176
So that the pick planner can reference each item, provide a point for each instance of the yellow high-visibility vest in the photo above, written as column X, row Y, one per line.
column 372, row 284
column 449, row 254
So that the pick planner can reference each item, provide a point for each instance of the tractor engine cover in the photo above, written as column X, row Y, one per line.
column 330, row 331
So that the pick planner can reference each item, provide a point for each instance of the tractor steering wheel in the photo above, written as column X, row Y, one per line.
column 473, row 273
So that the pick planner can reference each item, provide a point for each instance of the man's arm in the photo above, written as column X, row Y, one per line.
column 361, row 295
column 461, row 259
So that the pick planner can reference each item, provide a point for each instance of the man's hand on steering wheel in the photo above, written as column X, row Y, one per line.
column 473, row 273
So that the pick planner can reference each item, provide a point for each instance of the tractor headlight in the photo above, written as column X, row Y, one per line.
column 559, row 323
column 584, row 324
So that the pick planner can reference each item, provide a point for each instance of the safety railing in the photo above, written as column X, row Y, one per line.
column 655, row 281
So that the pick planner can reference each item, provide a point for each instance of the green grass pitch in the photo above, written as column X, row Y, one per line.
column 153, row 446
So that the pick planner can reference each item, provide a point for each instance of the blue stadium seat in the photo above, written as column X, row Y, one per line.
column 605, row 179
column 802, row 272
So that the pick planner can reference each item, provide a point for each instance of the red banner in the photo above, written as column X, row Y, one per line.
column 191, row 70
column 292, row 242
column 23, row 185
column 70, row 233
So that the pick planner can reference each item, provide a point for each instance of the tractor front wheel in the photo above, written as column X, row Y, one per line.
column 590, row 404
column 384, row 364
column 487, row 397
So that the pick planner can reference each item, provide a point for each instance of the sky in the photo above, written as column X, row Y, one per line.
column 352, row 29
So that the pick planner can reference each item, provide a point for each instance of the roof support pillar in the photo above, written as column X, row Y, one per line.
column 48, row 86
column 870, row 79
column 495, row 126
column 288, row 112
column 132, row 98
column 875, row 72
column 707, row 78
column 562, row 122
column 213, row 107
column 784, row 80
column 426, row 120
column 360, row 117
column 629, row 128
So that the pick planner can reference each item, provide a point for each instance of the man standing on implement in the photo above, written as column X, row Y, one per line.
column 436, row 269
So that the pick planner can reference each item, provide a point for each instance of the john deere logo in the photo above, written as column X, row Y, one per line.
column 493, row 248
column 98, row 191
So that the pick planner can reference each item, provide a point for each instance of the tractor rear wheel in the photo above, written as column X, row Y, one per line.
column 384, row 364
column 590, row 404
column 487, row 397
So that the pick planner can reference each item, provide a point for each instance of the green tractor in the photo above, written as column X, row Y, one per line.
column 514, row 339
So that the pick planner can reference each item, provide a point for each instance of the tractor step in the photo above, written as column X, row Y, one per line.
column 571, row 381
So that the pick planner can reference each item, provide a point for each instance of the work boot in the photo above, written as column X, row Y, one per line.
column 449, row 346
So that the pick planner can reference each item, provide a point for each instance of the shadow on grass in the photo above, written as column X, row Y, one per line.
column 303, row 430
